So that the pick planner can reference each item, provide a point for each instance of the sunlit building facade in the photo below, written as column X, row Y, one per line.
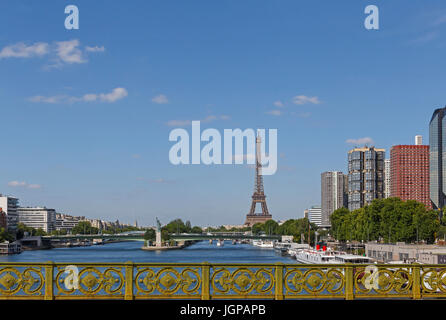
column 333, row 194
column 365, row 176
column 410, row 173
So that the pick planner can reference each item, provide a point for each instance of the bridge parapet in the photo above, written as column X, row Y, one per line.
column 219, row 281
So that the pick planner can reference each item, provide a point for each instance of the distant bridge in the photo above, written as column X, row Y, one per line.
column 222, row 235
column 139, row 236
column 129, row 236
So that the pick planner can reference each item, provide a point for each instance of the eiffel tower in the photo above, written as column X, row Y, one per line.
column 258, row 196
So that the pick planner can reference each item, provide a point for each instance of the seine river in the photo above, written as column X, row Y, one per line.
column 131, row 251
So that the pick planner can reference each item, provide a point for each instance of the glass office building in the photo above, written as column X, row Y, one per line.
column 437, row 158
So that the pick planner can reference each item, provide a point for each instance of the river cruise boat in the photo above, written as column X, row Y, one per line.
column 263, row 243
column 352, row 258
column 312, row 256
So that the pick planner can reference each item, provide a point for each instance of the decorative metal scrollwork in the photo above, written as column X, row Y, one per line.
column 382, row 281
column 13, row 281
column 433, row 280
column 168, row 281
column 129, row 281
column 243, row 281
column 91, row 281
column 313, row 281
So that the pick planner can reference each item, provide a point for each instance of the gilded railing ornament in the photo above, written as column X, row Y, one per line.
column 216, row 281
column 313, row 281
column 167, row 281
column 433, row 280
column 373, row 280
column 91, row 281
column 27, row 282
column 243, row 281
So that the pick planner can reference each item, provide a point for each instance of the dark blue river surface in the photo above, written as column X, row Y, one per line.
column 131, row 251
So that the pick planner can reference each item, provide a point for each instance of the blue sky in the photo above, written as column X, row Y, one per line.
column 86, row 114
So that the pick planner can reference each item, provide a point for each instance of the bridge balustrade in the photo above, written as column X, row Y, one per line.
column 219, row 281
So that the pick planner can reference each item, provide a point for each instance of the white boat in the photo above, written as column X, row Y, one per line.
column 352, row 258
column 220, row 243
column 263, row 244
column 311, row 256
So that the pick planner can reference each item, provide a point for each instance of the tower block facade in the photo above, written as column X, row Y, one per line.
column 259, row 196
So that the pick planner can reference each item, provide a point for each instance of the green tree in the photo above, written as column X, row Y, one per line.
column 5, row 235
column 84, row 227
column 150, row 235
column 389, row 220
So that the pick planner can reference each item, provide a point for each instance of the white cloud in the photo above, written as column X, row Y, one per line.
column 68, row 51
column 34, row 186
column 178, row 123
column 209, row 118
column 16, row 183
column 95, row 49
column 360, row 141
column 160, row 99
column 23, row 184
column 278, row 104
column 53, row 99
column 21, row 50
column 425, row 38
column 115, row 95
column 275, row 112
column 304, row 100
column 59, row 52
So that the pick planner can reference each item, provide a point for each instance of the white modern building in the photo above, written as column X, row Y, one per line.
column 37, row 218
column 9, row 206
column 418, row 140
column 387, row 180
column 315, row 215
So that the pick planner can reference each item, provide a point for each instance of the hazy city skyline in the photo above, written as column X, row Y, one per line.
column 87, row 113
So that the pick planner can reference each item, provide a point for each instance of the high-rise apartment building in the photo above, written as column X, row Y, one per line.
column 333, row 194
column 410, row 173
column 9, row 206
column 365, row 176
column 437, row 162
column 386, row 178
column 315, row 216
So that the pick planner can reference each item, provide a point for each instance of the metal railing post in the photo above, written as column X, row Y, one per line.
column 279, row 281
column 128, row 295
column 416, row 282
column 205, row 281
column 49, row 275
column 349, row 282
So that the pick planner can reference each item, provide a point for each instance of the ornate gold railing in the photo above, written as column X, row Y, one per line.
column 218, row 281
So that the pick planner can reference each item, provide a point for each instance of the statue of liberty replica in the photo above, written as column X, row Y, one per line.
column 158, row 242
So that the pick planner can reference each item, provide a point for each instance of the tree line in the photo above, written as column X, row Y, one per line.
column 389, row 220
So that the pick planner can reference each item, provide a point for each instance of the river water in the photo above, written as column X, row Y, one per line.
column 131, row 251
